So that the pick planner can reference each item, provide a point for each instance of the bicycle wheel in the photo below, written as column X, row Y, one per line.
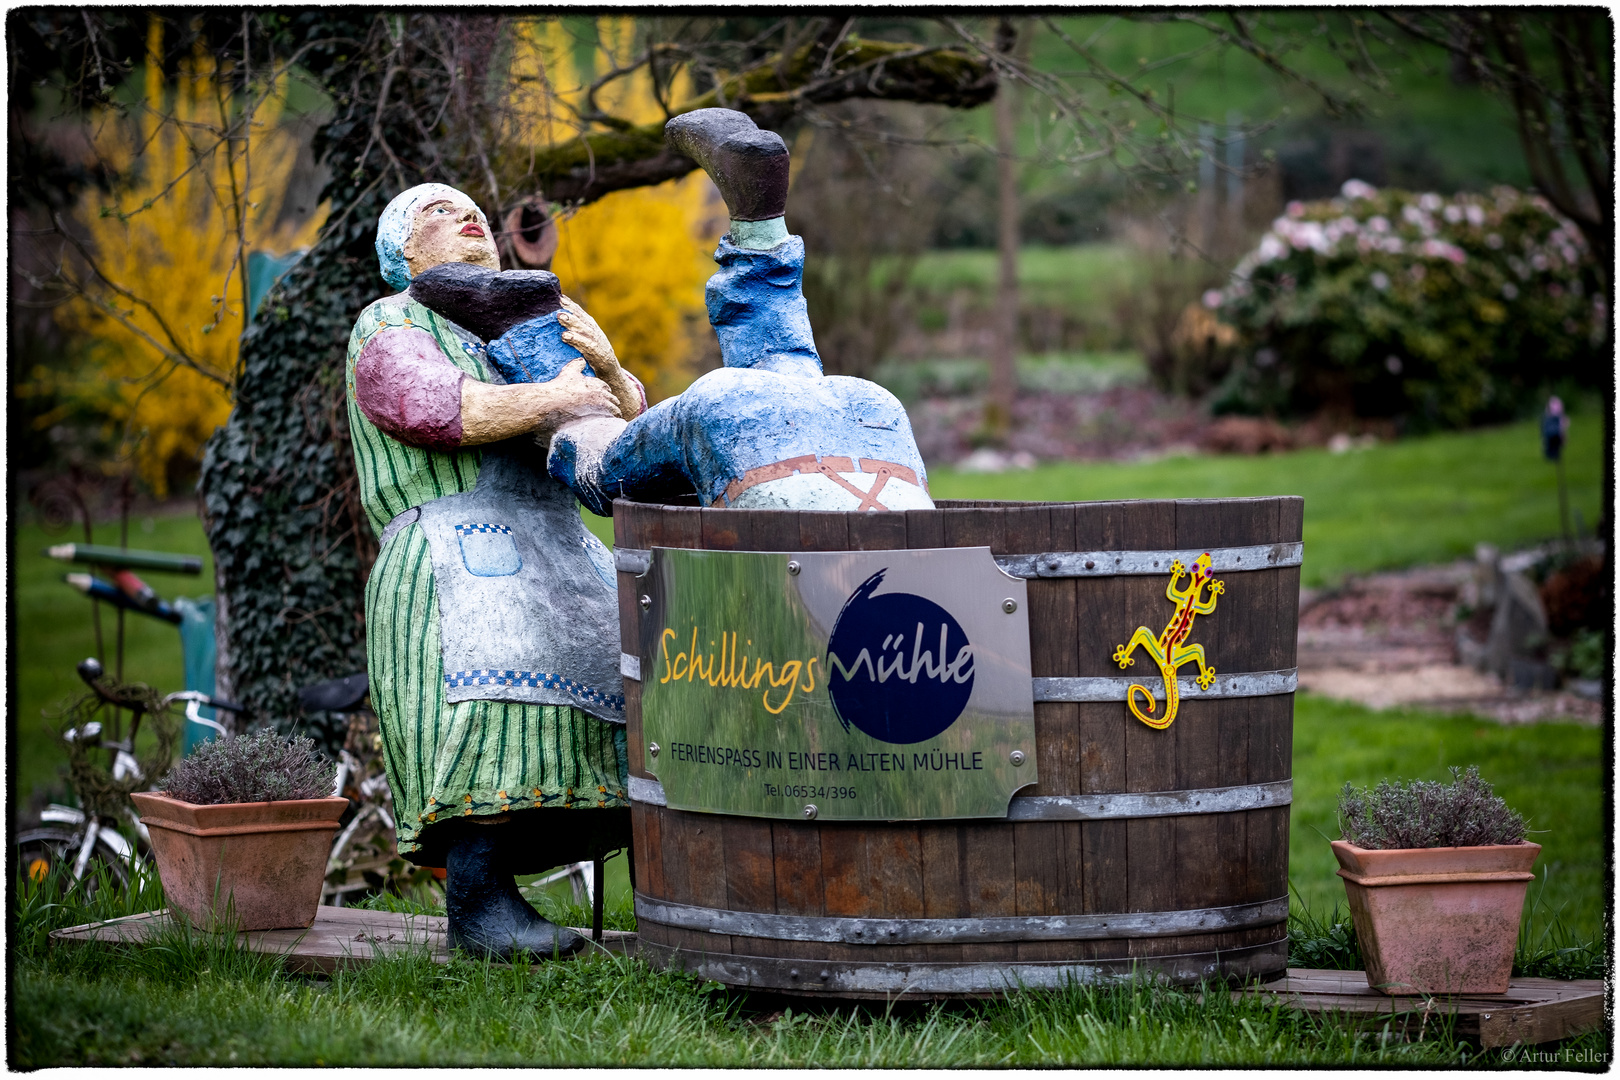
column 360, row 860
column 41, row 851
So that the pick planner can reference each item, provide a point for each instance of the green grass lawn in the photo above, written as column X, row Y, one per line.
column 192, row 1002
column 202, row 1006
column 1083, row 279
column 1553, row 774
column 1038, row 373
column 1419, row 500
column 189, row 1000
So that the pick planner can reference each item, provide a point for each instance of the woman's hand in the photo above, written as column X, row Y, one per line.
column 490, row 413
column 582, row 332
column 576, row 395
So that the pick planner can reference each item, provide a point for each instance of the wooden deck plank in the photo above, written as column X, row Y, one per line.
column 1532, row 1011
column 340, row 937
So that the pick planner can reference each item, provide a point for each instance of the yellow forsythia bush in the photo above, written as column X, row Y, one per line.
column 167, row 237
column 636, row 260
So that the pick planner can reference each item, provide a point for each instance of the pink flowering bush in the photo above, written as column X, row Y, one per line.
column 1442, row 311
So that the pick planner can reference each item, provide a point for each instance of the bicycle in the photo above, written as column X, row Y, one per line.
column 91, row 843
column 363, row 857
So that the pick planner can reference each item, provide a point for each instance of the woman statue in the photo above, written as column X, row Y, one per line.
column 491, row 616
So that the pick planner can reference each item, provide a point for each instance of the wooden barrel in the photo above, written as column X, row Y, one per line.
column 1150, row 851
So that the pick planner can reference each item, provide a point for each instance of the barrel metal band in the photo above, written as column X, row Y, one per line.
column 632, row 560
column 1064, row 688
column 892, row 978
column 1066, row 564
column 1224, row 800
column 1103, row 807
column 643, row 790
column 1117, row 688
column 851, row 931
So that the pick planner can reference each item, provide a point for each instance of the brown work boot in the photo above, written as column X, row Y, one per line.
column 748, row 165
column 487, row 302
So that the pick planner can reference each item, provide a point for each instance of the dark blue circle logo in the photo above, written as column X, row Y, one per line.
column 899, row 667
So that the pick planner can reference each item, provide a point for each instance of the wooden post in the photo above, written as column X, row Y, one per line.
column 1234, row 177
column 1206, row 186
column 597, row 878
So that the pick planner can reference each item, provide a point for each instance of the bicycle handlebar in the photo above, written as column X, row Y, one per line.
column 197, row 697
column 91, row 671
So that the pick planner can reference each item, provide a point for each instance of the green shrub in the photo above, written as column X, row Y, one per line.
column 1428, row 814
column 263, row 767
column 1588, row 650
column 1444, row 312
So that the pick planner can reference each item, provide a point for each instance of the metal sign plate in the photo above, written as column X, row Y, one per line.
column 848, row 686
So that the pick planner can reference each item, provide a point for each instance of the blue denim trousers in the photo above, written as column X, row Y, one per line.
column 756, row 304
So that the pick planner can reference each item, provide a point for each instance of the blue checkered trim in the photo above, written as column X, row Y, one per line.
column 467, row 530
column 536, row 679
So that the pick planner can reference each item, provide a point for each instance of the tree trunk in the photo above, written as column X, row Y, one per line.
column 1004, row 353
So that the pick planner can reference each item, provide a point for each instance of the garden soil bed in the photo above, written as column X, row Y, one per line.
column 1390, row 640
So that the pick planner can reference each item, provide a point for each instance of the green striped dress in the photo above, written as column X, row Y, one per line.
column 475, row 757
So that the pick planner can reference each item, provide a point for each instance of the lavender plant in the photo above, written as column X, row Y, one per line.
column 1428, row 814
column 261, row 767
column 1445, row 310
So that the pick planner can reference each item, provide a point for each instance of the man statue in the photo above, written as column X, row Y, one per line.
column 768, row 430
column 491, row 616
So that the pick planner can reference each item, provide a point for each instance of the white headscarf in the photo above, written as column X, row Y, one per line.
column 395, row 224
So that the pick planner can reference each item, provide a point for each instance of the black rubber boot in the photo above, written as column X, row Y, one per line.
column 487, row 302
column 488, row 917
column 748, row 165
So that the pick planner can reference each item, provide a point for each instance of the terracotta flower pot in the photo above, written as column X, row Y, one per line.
column 266, row 860
column 1437, row 920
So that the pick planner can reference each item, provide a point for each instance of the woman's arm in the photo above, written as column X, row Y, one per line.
column 490, row 413
column 405, row 385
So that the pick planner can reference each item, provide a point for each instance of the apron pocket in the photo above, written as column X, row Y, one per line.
column 488, row 550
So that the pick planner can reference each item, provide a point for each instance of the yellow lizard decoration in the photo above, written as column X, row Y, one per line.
column 1167, row 649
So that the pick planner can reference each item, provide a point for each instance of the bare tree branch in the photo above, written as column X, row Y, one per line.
column 173, row 351
column 593, row 164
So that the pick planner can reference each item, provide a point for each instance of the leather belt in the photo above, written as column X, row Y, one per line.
column 829, row 466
